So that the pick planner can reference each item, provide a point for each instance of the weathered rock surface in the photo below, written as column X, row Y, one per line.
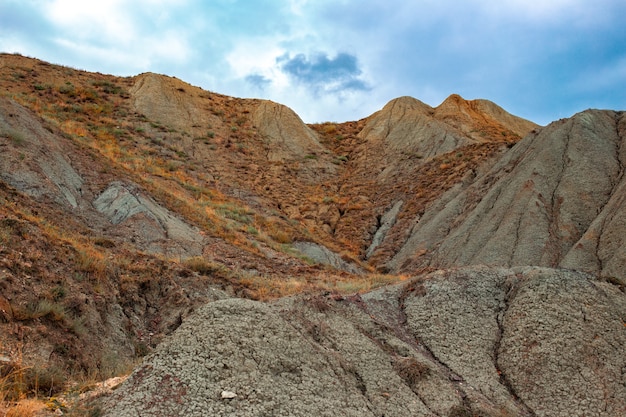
column 150, row 224
column 477, row 118
column 556, row 198
column 171, row 101
column 474, row 341
column 287, row 135
column 385, row 223
column 407, row 125
column 36, row 162
column 323, row 255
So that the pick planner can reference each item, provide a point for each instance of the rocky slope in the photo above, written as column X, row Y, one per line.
column 453, row 343
column 555, row 199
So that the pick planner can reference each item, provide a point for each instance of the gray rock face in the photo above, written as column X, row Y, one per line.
column 549, row 201
column 407, row 125
column 386, row 221
column 561, row 342
column 474, row 341
column 168, row 100
column 288, row 136
column 36, row 163
column 323, row 255
column 126, row 205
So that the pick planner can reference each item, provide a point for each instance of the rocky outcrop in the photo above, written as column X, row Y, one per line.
column 477, row 341
column 286, row 134
column 172, row 102
column 321, row 254
column 149, row 224
column 547, row 202
column 385, row 222
column 481, row 119
column 34, row 160
column 407, row 125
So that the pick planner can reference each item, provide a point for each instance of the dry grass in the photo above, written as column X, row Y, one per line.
column 264, row 287
column 17, row 384
column 25, row 408
column 204, row 266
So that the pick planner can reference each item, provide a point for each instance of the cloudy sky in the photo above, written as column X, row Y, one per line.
column 338, row 60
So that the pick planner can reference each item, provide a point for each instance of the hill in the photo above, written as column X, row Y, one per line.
column 135, row 206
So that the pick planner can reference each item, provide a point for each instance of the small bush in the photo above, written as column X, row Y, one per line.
column 329, row 128
column 280, row 236
column 108, row 87
column 54, row 311
column 411, row 371
column 91, row 263
column 68, row 90
column 58, row 293
column 18, row 382
column 202, row 266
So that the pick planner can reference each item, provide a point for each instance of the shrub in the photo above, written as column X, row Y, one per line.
column 202, row 266
column 410, row 370
column 329, row 128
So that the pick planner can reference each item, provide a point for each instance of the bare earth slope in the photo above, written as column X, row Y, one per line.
column 556, row 198
column 453, row 343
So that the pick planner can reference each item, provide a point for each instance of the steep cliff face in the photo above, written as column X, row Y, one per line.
column 546, row 202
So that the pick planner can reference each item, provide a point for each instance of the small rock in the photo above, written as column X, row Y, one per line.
column 228, row 395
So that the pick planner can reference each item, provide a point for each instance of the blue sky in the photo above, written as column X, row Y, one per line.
column 339, row 60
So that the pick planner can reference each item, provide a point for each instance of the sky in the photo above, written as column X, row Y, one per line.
column 341, row 60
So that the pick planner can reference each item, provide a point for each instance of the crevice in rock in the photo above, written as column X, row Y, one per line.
column 518, row 227
column 384, row 223
column 399, row 329
column 510, row 292
column 555, row 205
column 615, row 185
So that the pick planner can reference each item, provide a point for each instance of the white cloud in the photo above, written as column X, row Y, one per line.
column 256, row 55
column 118, row 33
column 105, row 20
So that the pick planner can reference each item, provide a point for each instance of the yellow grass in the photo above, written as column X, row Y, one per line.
column 25, row 408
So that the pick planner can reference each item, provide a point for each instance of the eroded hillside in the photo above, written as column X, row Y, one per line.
column 130, row 203
column 131, row 174
column 555, row 199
